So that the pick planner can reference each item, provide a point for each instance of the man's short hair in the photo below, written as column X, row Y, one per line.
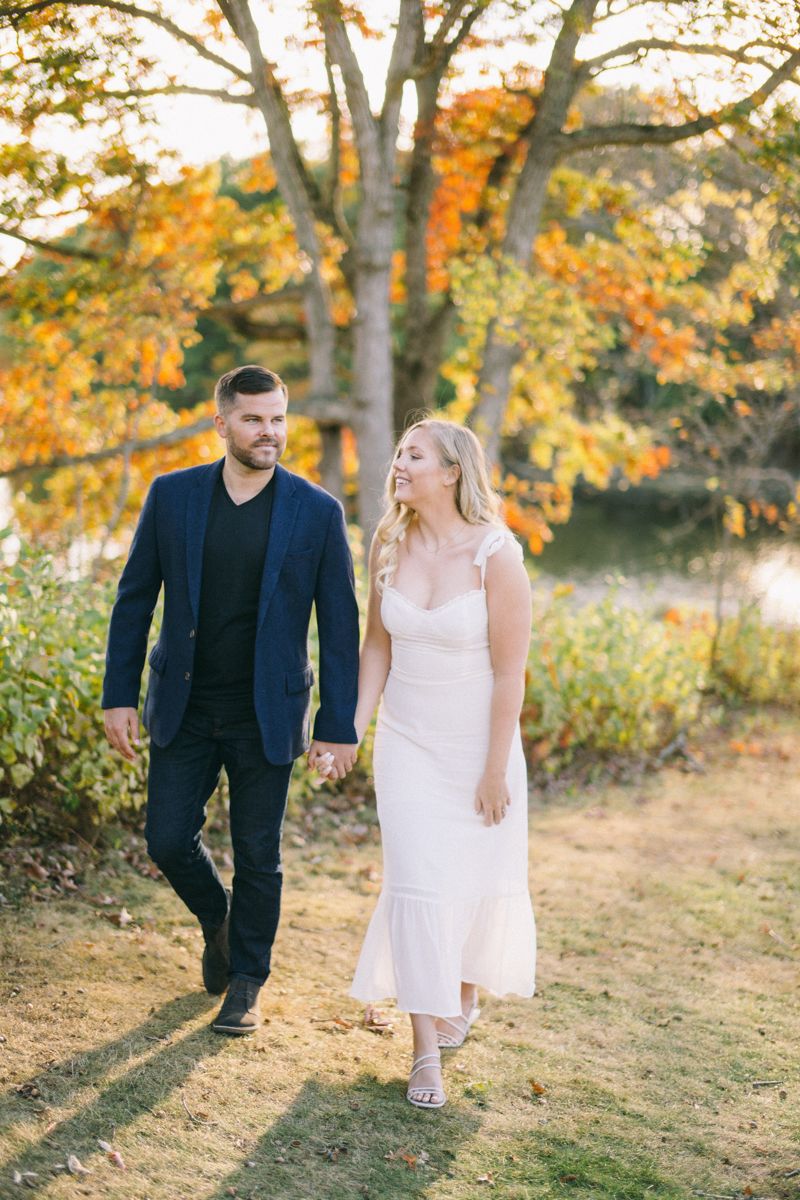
column 246, row 381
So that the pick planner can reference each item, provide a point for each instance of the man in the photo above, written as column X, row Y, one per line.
column 243, row 549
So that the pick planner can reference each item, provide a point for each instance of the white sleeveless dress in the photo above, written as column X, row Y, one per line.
column 454, row 903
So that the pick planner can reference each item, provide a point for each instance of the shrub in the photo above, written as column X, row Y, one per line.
column 604, row 683
column 758, row 662
column 56, row 767
column 609, row 680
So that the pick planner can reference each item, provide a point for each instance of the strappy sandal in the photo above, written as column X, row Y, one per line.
column 447, row 1040
column 418, row 1065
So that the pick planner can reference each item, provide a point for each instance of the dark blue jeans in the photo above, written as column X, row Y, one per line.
column 182, row 778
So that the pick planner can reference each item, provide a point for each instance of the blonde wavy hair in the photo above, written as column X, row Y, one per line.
column 476, row 500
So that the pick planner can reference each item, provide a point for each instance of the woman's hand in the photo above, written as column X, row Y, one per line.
column 492, row 798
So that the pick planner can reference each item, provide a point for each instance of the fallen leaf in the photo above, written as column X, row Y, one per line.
column 537, row 1087
column 122, row 918
column 332, row 1152
column 76, row 1167
column 33, row 869
column 376, row 1020
column 568, row 1178
column 354, row 835
column 28, row 1090
column 410, row 1160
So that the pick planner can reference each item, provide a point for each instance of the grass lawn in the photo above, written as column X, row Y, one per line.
column 668, row 987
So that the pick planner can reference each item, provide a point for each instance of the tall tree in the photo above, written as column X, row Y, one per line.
column 369, row 409
column 757, row 37
column 757, row 40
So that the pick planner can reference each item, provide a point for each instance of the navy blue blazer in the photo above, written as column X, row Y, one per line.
column 308, row 561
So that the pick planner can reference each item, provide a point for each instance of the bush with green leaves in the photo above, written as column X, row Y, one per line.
column 56, row 768
column 609, row 680
column 758, row 662
column 604, row 683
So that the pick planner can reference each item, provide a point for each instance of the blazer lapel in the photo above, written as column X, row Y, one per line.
column 285, row 506
column 197, row 506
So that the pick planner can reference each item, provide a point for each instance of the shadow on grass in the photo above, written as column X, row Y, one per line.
column 336, row 1142
column 331, row 1143
column 123, row 1100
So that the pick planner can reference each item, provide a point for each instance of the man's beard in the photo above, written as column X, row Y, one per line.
column 246, row 455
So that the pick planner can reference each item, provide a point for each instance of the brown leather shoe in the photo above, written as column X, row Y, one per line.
column 239, row 1013
column 217, row 955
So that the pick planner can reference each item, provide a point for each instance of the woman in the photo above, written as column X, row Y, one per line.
column 448, row 627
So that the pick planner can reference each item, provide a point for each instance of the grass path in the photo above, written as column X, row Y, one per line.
column 668, row 985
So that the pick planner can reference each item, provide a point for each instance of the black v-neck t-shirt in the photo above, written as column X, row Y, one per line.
column 234, row 550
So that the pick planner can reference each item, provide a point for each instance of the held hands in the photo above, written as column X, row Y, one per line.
column 492, row 797
column 120, row 724
column 332, row 760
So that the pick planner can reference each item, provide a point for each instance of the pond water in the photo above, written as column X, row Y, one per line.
column 653, row 561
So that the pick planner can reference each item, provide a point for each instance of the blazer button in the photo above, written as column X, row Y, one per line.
column 187, row 675
column 191, row 633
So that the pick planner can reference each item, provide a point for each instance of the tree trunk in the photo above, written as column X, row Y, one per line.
column 410, row 392
column 426, row 332
column 372, row 378
column 502, row 353
column 417, row 367
column 376, row 144
column 330, row 463
column 295, row 189
column 561, row 80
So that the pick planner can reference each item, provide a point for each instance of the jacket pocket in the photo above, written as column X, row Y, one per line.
column 158, row 659
column 299, row 681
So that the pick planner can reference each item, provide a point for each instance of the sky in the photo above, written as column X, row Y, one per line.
column 204, row 130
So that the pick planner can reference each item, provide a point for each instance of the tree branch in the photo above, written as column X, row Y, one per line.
column 400, row 65
column 630, row 134
column 293, row 292
column 700, row 48
column 365, row 126
column 52, row 247
column 133, row 10
column 440, row 51
column 123, row 448
column 181, row 89
column 333, row 189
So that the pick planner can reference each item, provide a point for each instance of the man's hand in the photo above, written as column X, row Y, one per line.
column 120, row 724
column 332, row 759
